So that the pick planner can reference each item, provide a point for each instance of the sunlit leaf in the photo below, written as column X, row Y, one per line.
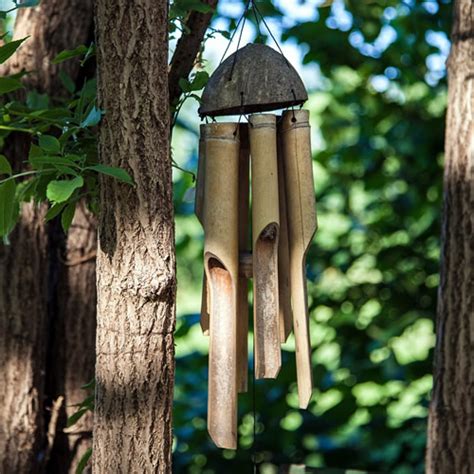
column 61, row 190
column 9, row 49
column 70, row 53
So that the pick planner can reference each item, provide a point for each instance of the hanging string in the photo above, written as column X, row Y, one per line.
column 237, row 51
column 242, row 18
column 239, row 29
column 257, row 10
column 240, row 116
column 251, row 4
column 257, row 22
column 293, row 119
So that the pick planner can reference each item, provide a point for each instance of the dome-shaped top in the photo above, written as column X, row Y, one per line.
column 255, row 78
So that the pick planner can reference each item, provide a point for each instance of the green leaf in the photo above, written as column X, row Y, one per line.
column 185, row 85
column 70, row 53
column 117, row 173
column 25, row 190
column 90, row 52
column 93, row 118
column 67, row 81
column 38, row 161
column 199, row 80
column 62, row 190
column 35, row 151
column 67, row 170
column 88, row 402
column 68, row 215
column 37, row 101
column 49, row 144
column 83, row 462
column 54, row 210
column 75, row 417
column 9, row 49
column 7, row 206
column 9, row 84
column 5, row 167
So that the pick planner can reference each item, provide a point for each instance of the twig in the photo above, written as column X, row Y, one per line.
column 85, row 258
column 53, row 421
column 187, row 49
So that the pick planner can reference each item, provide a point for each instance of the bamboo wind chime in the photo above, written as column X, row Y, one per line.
column 277, row 152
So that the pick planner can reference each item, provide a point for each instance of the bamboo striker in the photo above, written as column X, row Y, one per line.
column 221, row 259
column 244, row 248
column 265, row 229
column 286, row 321
column 199, row 211
column 301, row 208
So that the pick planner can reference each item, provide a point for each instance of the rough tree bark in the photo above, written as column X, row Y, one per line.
column 451, row 423
column 29, row 270
column 72, row 355
column 136, row 260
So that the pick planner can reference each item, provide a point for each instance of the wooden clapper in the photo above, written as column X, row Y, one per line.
column 276, row 151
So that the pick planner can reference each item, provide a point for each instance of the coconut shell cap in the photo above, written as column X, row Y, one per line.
column 256, row 78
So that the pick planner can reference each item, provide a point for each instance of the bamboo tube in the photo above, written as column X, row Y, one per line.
column 265, row 229
column 199, row 197
column 221, row 257
column 286, row 322
column 244, row 248
column 301, row 228
column 199, row 211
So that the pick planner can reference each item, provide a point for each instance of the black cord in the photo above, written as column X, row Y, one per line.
column 257, row 22
column 242, row 18
column 254, row 6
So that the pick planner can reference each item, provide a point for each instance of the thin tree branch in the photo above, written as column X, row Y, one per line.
column 187, row 49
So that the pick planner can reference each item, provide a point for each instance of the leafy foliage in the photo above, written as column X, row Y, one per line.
column 377, row 115
column 378, row 125
column 179, row 10
column 87, row 405
column 62, row 165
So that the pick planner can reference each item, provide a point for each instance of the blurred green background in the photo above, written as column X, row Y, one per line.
column 376, row 76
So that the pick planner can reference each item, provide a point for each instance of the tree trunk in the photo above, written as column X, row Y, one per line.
column 22, row 344
column 73, row 347
column 30, row 268
column 136, row 261
column 451, row 424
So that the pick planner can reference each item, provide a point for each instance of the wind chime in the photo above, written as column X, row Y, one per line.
column 277, row 150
